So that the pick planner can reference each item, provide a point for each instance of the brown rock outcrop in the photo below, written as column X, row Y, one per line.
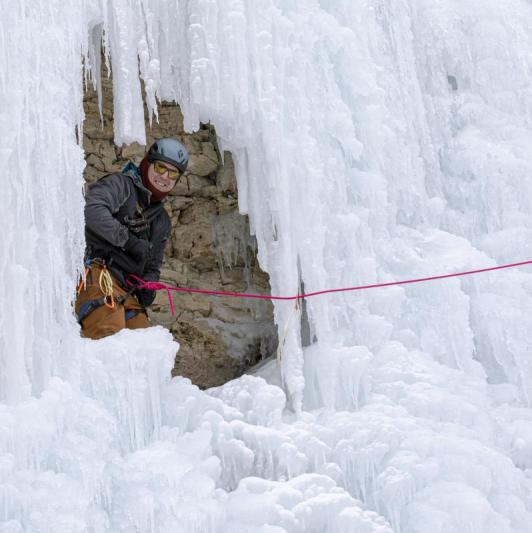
column 210, row 247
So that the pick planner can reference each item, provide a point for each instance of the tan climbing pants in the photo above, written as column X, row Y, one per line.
column 106, row 320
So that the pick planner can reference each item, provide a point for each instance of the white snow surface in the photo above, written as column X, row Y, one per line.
column 374, row 141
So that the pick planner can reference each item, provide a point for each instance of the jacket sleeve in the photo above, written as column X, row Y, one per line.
column 160, row 233
column 103, row 200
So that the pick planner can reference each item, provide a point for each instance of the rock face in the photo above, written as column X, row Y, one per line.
column 210, row 248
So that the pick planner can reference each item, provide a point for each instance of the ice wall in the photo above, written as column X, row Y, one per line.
column 378, row 141
column 373, row 141
column 40, row 252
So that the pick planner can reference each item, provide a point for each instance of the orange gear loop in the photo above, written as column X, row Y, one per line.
column 81, row 285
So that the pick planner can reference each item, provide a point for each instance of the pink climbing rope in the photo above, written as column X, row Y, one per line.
column 159, row 286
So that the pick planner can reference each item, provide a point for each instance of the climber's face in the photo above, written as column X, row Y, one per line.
column 162, row 176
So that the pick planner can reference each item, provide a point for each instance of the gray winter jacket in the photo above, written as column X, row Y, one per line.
column 115, row 218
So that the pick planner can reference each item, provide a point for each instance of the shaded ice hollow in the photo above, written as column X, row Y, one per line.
column 373, row 141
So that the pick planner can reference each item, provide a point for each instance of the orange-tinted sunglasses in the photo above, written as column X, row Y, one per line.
column 161, row 170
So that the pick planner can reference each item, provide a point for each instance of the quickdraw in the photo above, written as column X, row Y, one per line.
column 141, row 221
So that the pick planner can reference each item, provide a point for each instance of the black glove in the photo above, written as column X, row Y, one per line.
column 145, row 296
column 139, row 249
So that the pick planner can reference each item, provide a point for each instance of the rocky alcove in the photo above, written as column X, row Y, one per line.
column 210, row 247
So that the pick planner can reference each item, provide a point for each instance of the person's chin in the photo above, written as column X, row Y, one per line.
column 161, row 188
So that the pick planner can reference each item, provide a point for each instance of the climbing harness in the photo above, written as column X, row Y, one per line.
column 141, row 222
column 105, row 282
column 131, row 313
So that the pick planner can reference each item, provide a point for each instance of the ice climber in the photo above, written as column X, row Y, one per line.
column 126, row 228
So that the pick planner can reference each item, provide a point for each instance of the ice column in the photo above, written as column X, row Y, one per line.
column 41, row 240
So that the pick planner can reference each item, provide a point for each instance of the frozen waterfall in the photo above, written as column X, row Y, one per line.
column 373, row 141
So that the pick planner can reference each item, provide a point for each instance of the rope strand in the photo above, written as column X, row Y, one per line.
column 157, row 285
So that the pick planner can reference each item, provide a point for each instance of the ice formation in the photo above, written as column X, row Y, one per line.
column 373, row 141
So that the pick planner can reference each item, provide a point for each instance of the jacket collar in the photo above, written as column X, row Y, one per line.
column 133, row 172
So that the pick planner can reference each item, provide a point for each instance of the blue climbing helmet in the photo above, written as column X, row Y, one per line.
column 170, row 151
